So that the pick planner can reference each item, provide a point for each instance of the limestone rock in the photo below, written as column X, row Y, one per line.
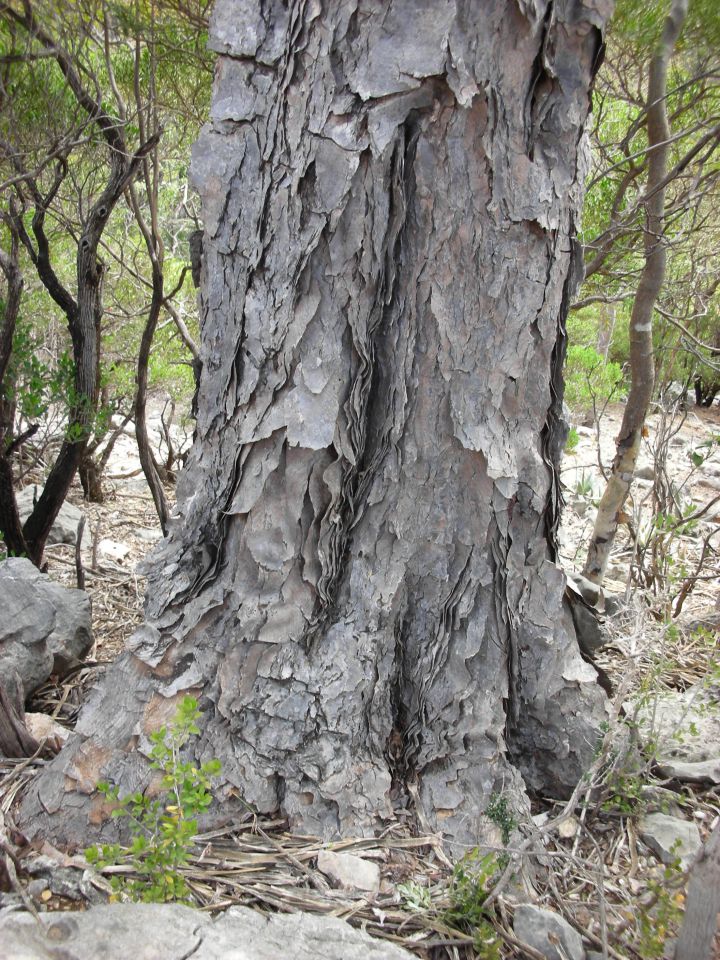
column 64, row 530
column 543, row 929
column 645, row 471
column 703, row 771
column 670, row 837
column 683, row 725
column 589, row 591
column 45, row 627
column 348, row 871
column 147, row 931
column 113, row 550
column 43, row 727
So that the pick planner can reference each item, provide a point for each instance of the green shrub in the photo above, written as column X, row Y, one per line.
column 573, row 439
column 162, row 829
column 590, row 380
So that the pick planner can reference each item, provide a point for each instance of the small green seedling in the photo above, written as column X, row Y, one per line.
column 162, row 828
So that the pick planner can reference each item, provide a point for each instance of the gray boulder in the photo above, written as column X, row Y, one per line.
column 543, row 929
column 681, row 726
column 670, row 837
column 64, row 530
column 146, row 931
column 45, row 627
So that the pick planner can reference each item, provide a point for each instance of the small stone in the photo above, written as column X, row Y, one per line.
column 543, row 929
column 591, row 592
column 148, row 534
column 568, row 828
column 614, row 603
column 670, row 838
column 681, row 726
column 349, row 871
column 114, row 550
column 43, row 727
column 645, row 471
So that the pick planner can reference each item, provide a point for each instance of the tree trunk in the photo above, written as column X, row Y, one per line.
column 700, row 924
column 10, row 524
column 642, row 365
column 359, row 580
column 91, row 478
column 15, row 738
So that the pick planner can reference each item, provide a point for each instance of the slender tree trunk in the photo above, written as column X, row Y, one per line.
column 359, row 582
column 642, row 367
column 10, row 524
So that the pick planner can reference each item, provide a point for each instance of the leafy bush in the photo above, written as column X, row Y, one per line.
column 472, row 879
column 573, row 439
column 590, row 380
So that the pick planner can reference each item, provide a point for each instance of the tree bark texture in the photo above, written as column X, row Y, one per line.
column 642, row 363
column 700, row 923
column 359, row 579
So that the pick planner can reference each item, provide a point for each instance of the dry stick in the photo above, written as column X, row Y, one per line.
column 10, row 864
column 79, row 572
column 567, row 811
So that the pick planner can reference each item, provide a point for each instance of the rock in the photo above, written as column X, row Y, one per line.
column 589, row 591
column 114, row 550
column 146, row 931
column 670, row 837
column 614, row 604
column 710, row 481
column 709, row 622
column 703, row 771
column 579, row 506
column 681, row 726
column 69, row 882
column 348, row 871
column 43, row 727
column 539, row 928
column 148, row 534
column 645, row 471
column 45, row 627
column 589, row 630
column 64, row 530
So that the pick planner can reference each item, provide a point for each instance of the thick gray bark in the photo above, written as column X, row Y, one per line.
column 359, row 580
column 700, row 923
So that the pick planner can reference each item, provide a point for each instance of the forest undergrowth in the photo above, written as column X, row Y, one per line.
column 585, row 858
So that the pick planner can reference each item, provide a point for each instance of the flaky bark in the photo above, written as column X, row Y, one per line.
column 642, row 366
column 359, row 580
column 700, row 923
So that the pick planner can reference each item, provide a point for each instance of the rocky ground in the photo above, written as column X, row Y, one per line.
column 616, row 854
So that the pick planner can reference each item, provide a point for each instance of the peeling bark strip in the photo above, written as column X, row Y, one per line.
column 358, row 580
